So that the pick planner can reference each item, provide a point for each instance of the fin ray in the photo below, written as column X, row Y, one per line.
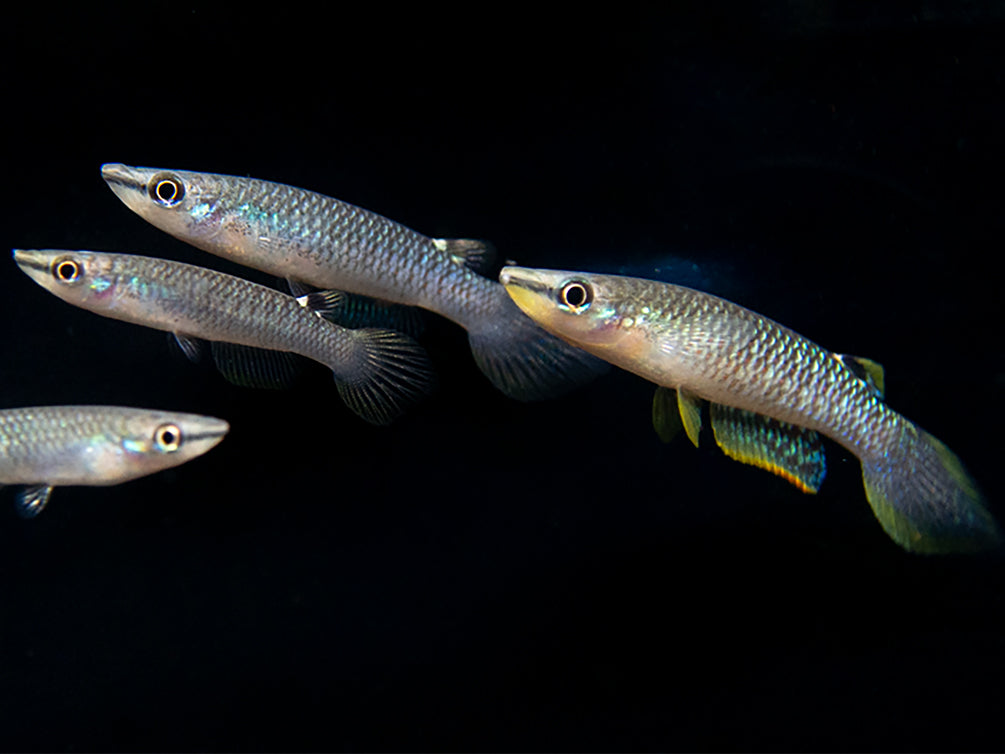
column 524, row 361
column 925, row 500
column 477, row 256
column 393, row 372
column 247, row 366
column 33, row 499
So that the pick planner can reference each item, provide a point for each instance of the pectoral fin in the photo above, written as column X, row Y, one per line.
column 689, row 406
column 794, row 453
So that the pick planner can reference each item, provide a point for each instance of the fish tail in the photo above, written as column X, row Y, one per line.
column 924, row 498
column 526, row 362
column 389, row 372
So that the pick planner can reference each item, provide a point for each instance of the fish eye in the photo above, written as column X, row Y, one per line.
column 166, row 190
column 576, row 296
column 67, row 270
column 167, row 438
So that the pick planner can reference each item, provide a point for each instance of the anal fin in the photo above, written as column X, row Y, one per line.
column 247, row 366
column 794, row 453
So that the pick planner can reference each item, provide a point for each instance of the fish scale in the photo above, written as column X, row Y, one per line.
column 712, row 349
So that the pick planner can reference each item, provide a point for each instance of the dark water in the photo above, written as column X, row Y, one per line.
column 487, row 574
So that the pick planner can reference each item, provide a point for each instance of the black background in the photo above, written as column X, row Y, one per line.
column 487, row 574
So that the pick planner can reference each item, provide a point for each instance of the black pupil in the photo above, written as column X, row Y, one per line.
column 167, row 191
column 168, row 437
column 575, row 295
column 66, row 271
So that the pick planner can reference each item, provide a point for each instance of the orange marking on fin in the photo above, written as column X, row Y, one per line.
column 760, row 463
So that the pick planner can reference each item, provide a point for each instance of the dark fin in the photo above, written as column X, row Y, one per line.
column 924, row 498
column 298, row 289
column 192, row 347
column 866, row 370
column 524, row 361
column 357, row 312
column 689, row 406
column 392, row 371
column 666, row 416
column 33, row 499
column 255, row 367
column 325, row 303
column 477, row 256
column 794, row 453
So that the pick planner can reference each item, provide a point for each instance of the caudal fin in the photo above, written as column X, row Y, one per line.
column 524, row 361
column 390, row 371
column 925, row 500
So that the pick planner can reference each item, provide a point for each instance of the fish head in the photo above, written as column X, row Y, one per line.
column 90, row 280
column 146, row 442
column 182, row 203
column 584, row 309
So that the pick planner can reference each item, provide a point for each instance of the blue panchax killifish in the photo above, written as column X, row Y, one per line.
column 771, row 391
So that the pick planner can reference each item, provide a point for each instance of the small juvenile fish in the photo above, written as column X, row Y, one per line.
column 324, row 242
column 50, row 446
column 377, row 372
column 771, row 390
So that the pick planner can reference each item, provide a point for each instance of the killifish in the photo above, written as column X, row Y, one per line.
column 377, row 372
column 50, row 446
column 771, row 391
column 324, row 242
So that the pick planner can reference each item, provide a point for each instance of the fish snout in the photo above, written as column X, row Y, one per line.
column 116, row 172
column 535, row 280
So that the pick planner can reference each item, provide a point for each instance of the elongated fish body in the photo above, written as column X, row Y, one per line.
column 50, row 446
column 377, row 371
column 328, row 243
column 711, row 349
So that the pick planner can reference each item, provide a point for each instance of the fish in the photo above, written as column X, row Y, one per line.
column 772, row 393
column 51, row 446
column 378, row 372
column 324, row 242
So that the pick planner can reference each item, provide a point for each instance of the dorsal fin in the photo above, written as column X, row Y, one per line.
column 477, row 256
column 794, row 453
column 866, row 370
